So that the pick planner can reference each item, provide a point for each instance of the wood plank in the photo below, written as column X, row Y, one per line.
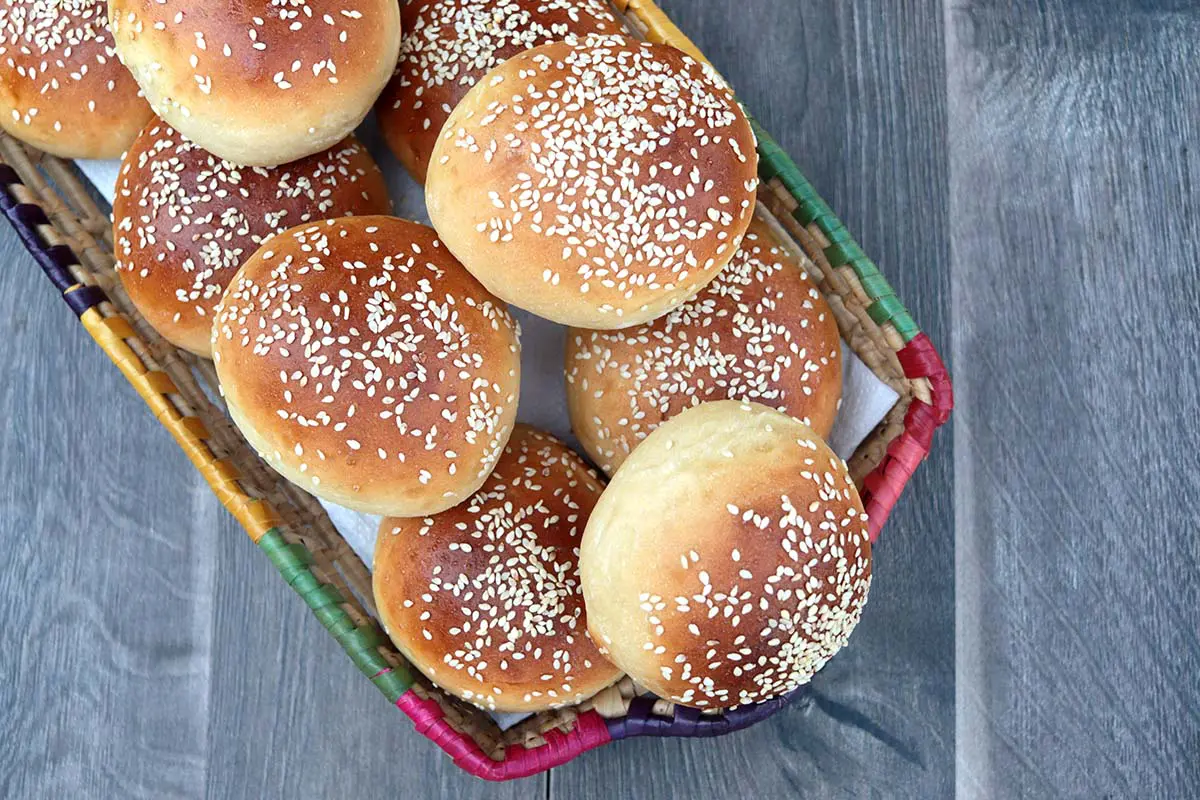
column 106, row 541
column 304, row 721
column 292, row 717
column 1076, row 277
column 855, row 92
column 151, row 650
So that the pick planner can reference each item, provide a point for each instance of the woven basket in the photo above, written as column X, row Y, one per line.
column 70, row 236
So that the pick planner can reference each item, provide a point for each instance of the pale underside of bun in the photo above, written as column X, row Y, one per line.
column 728, row 559
column 484, row 598
column 367, row 366
column 597, row 183
column 62, row 88
column 184, row 220
column 761, row 332
column 261, row 83
column 438, row 64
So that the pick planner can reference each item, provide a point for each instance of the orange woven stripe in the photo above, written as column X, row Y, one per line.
column 659, row 27
column 256, row 516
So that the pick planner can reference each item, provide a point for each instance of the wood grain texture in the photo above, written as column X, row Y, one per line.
column 292, row 718
column 1076, row 277
column 854, row 91
column 1024, row 173
column 276, row 711
column 107, row 544
column 149, row 648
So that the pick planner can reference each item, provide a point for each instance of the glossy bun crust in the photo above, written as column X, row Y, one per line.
column 596, row 183
column 62, row 88
column 258, row 82
column 184, row 220
column 761, row 331
column 367, row 366
column 484, row 598
column 728, row 559
column 448, row 45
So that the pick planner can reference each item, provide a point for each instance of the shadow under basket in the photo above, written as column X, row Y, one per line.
column 70, row 236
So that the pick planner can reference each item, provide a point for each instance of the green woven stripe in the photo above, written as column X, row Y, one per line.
column 393, row 684
column 361, row 644
column 843, row 249
column 890, row 309
column 874, row 285
column 841, row 254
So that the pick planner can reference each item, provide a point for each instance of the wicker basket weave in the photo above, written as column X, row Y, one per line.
column 70, row 236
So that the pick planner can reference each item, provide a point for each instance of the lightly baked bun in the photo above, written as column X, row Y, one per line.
column 448, row 45
column 597, row 183
column 62, row 88
column 484, row 598
column 761, row 331
column 728, row 559
column 259, row 82
column 367, row 366
column 185, row 220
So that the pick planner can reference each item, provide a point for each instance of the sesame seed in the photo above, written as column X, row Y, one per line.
column 189, row 219
column 608, row 188
column 280, row 24
column 58, row 47
column 507, row 605
column 438, row 64
column 358, row 338
column 745, row 336
column 775, row 587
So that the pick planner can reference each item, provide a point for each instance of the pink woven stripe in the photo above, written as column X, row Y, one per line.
column 519, row 762
column 883, row 487
column 920, row 359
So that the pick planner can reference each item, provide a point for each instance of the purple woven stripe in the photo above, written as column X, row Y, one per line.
column 642, row 721
column 55, row 260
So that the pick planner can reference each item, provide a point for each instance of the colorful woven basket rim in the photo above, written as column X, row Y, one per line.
column 880, row 489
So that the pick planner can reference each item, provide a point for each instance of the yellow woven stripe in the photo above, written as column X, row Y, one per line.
column 659, row 27
column 256, row 516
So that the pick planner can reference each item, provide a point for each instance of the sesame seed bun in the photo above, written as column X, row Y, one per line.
column 729, row 558
column 596, row 183
column 259, row 82
column 367, row 366
column 760, row 331
column 184, row 220
column 448, row 45
column 484, row 598
column 62, row 88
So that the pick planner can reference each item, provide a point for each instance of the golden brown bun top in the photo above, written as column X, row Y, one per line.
column 62, row 88
column 484, row 598
column 258, row 81
column 185, row 220
column 363, row 361
column 728, row 559
column 760, row 331
column 597, row 182
column 448, row 45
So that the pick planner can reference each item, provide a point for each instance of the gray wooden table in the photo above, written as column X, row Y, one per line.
column 1025, row 172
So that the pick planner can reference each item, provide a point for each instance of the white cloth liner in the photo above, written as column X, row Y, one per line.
column 865, row 398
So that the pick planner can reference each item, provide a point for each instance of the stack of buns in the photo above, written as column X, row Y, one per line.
column 184, row 220
column 596, row 181
column 760, row 331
